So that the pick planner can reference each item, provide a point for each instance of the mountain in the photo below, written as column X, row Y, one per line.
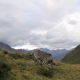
column 17, row 66
column 73, row 56
column 6, row 47
column 57, row 54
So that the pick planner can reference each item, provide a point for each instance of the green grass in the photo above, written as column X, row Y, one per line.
column 16, row 66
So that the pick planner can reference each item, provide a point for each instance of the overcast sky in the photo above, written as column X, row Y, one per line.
column 30, row 24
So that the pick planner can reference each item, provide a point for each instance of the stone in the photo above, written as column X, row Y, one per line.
column 43, row 57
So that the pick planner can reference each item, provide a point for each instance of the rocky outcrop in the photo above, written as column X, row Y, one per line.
column 43, row 57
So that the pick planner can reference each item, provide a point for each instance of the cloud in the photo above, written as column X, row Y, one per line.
column 73, row 22
column 43, row 23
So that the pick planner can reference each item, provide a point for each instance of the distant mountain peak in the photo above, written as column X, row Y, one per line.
column 57, row 54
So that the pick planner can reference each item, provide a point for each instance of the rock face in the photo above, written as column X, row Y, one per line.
column 43, row 57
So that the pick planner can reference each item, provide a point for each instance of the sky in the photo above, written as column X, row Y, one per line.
column 31, row 24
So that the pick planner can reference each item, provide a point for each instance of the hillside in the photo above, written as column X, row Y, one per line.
column 73, row 56
column 16, row 66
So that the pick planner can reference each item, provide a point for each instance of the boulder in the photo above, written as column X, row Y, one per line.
column 43, row 57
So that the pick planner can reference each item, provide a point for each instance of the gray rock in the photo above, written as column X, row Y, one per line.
column 43, row 57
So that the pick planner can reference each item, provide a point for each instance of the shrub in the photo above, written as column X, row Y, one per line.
column 21, row 56
column 4, row 69
column 5, row 52
column 16, row 56
column 29, row 56
column 45, row 71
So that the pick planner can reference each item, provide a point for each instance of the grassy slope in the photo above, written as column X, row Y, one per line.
column 73, row 57
column 22, row 67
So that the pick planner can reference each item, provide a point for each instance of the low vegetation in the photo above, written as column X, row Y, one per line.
column 73, row 57
column 17, row 66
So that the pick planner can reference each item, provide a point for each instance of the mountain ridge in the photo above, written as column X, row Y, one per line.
column 57, row 54
column 73, row 57
column 6, row 47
